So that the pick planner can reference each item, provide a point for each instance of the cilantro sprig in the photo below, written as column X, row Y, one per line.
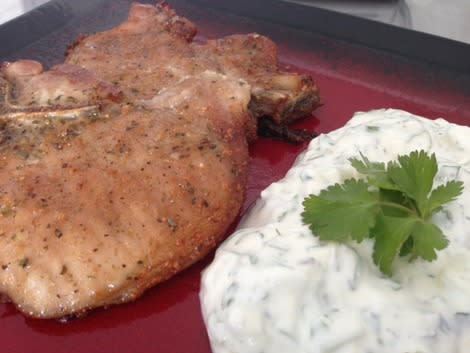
column 393, row 205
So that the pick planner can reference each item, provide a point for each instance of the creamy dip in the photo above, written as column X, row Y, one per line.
column 275, row 288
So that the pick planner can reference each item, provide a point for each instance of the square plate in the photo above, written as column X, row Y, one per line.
column 353, row 75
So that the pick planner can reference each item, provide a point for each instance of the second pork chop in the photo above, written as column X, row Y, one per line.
column 154, row 49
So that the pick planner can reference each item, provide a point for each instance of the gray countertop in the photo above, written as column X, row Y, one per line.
column 10, row 9
column 448, row 19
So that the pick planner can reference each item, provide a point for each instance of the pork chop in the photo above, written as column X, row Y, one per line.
column 113, row 176
column 97, row 209
column 167, row 53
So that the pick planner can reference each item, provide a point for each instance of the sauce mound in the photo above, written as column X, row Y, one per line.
column 274, row 287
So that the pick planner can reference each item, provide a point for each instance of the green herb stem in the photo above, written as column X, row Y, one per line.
column 397, row 206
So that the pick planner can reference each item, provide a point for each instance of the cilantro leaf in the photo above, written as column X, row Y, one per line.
column 414, row 175
column 390, row 235
column 443, row 194
column 342, row 211
column 427, row 238
column 368, row 168
column 375, row 172
column 393, row 207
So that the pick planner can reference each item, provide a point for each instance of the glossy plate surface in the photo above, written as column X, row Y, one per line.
column 351, row 78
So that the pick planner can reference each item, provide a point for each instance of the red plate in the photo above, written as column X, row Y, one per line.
column 167, row 318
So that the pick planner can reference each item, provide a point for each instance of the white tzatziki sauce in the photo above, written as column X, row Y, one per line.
column 273, row 287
